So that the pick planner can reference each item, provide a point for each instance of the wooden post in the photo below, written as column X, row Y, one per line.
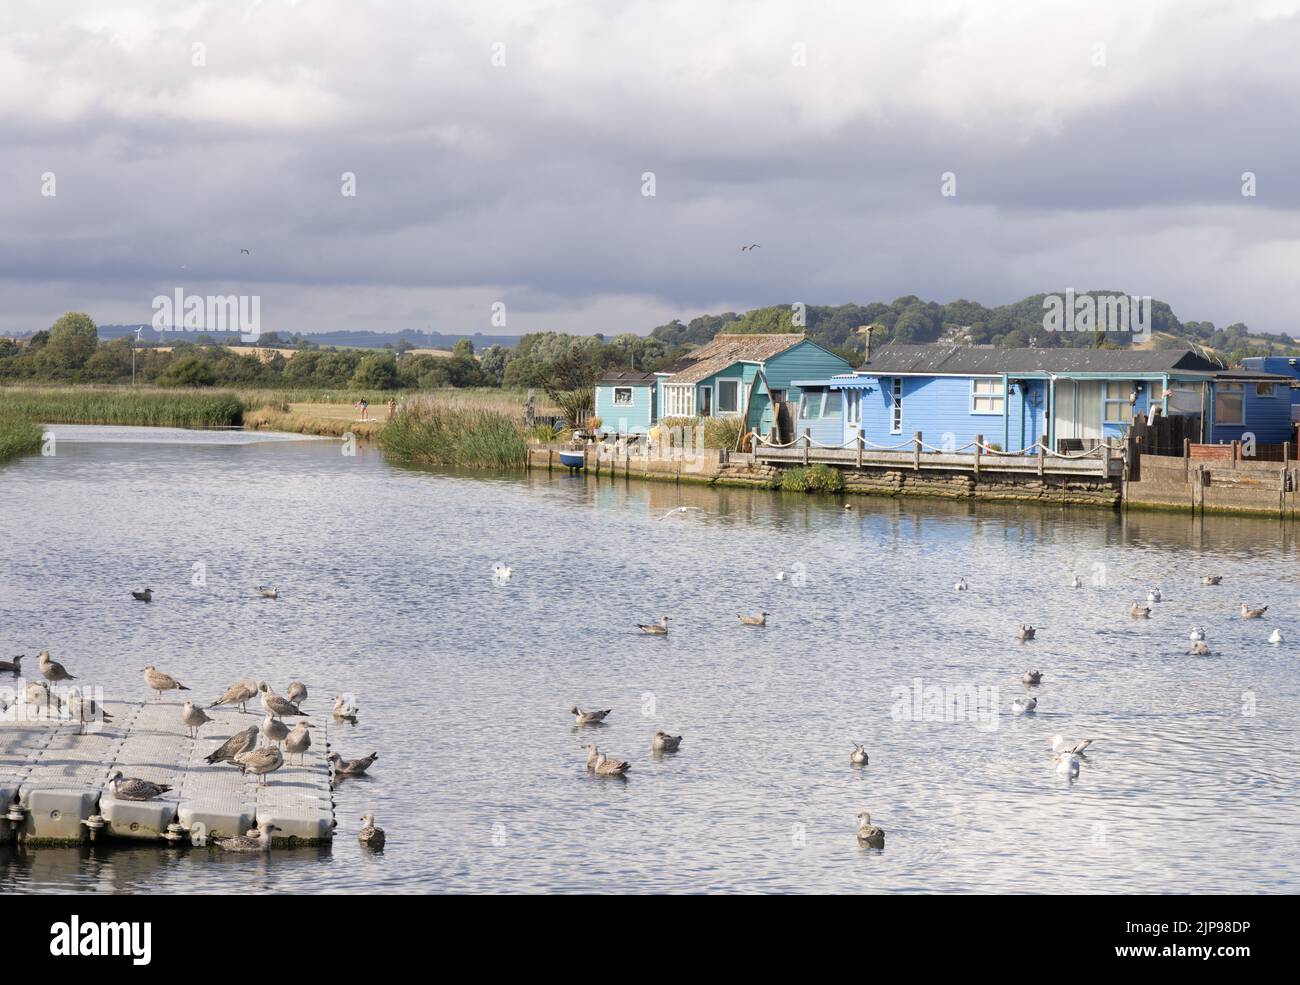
column 979, row 442
column 860, row 443
column 807, row 443
column 1042, row 457
column 1105, row 458
column 1286, row 453
column 1236, row 452
column 550, row 459
column 916, row 453
column 1187, row 458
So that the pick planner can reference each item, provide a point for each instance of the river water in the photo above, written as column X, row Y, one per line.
column 387, row 592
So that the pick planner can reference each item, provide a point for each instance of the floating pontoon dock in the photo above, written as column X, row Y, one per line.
column 54, row 781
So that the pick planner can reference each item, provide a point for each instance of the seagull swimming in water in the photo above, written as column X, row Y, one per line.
column 1026, row 633
column 145, row 596
column 1061, row 744
column 960, row 586
column 655, row 629
column 1248, row 613
column 858, row 757
column 1197, row 633
column 1033, row 678
column 1067, row 764
column 1211, row 579
column 1024, row 706
column 1139, row 611
column 868, row 833
column 1275, row 637
column 1199, row 648
column 1154, row 595
column 1076, row 582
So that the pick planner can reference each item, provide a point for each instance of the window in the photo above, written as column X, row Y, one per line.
column 1115, row 403
column 728, row 396
column 622, row 396
column 853, row 407
column 1268, row 390
column 831, row 408
column 1227, row 404
column 986, row 395
column 1157, row 393
column 810, row 405
column 706, row 401
column 679, row 400
column 896, row 420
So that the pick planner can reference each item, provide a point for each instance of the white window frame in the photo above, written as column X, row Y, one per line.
column 700, row 402
column 679, row 400
column 1223, row 389
column 805, row 405
column 1122, row 402
column 826, row 398
column 740, row 393
column 623, row 403
column 853, row 408
column 896, row 411
column 996, row 398
column 1270, row 395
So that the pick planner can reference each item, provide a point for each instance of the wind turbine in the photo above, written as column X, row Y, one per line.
column 138, row 331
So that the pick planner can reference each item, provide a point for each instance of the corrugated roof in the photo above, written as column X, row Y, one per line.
column 628, row 378
column 725, row 350
column 990, row 360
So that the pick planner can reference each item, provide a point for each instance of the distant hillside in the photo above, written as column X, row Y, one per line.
column 341, row 340
column 910, row 319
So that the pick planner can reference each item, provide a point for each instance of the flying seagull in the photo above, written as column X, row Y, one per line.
column 751, row 246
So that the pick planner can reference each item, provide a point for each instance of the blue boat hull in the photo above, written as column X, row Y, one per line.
column 573, row 459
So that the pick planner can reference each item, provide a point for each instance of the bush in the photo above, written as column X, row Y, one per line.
column 812, row 479
column 188, row 371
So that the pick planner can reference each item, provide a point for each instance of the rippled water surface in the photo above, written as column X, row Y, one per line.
column 386, row 590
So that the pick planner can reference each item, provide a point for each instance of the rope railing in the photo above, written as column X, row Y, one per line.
column 916, row 445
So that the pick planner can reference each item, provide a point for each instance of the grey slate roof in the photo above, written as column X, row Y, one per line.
column 991, row 360
column 627, row 378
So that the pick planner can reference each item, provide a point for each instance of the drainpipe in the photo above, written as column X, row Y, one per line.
column 1049, row 427
column 1006, row 413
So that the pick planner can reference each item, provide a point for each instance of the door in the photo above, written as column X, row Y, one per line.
column 1078, row 409
column 706, row 401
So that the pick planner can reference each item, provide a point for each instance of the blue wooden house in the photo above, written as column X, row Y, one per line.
column 627, row 402
column 1015, row 397
column 749, row 376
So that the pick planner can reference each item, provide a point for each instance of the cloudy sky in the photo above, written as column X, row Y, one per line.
column 1096, row 145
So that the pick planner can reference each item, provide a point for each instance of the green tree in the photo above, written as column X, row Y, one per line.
column 463, row 348
column 188, row 371
column 377, row 371
column 73, row 340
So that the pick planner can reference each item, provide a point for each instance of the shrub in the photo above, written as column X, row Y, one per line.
column 812, row 479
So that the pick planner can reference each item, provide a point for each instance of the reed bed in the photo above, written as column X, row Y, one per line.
column 143, row 407
column 18, row 436
column 432, row 431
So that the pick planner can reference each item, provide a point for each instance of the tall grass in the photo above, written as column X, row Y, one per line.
column 145, row 407
column 437, row 432
column 17, row 435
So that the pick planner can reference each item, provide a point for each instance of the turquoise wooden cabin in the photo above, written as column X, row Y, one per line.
column 1067, row 398
column 627, row 403
column 749, row 376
